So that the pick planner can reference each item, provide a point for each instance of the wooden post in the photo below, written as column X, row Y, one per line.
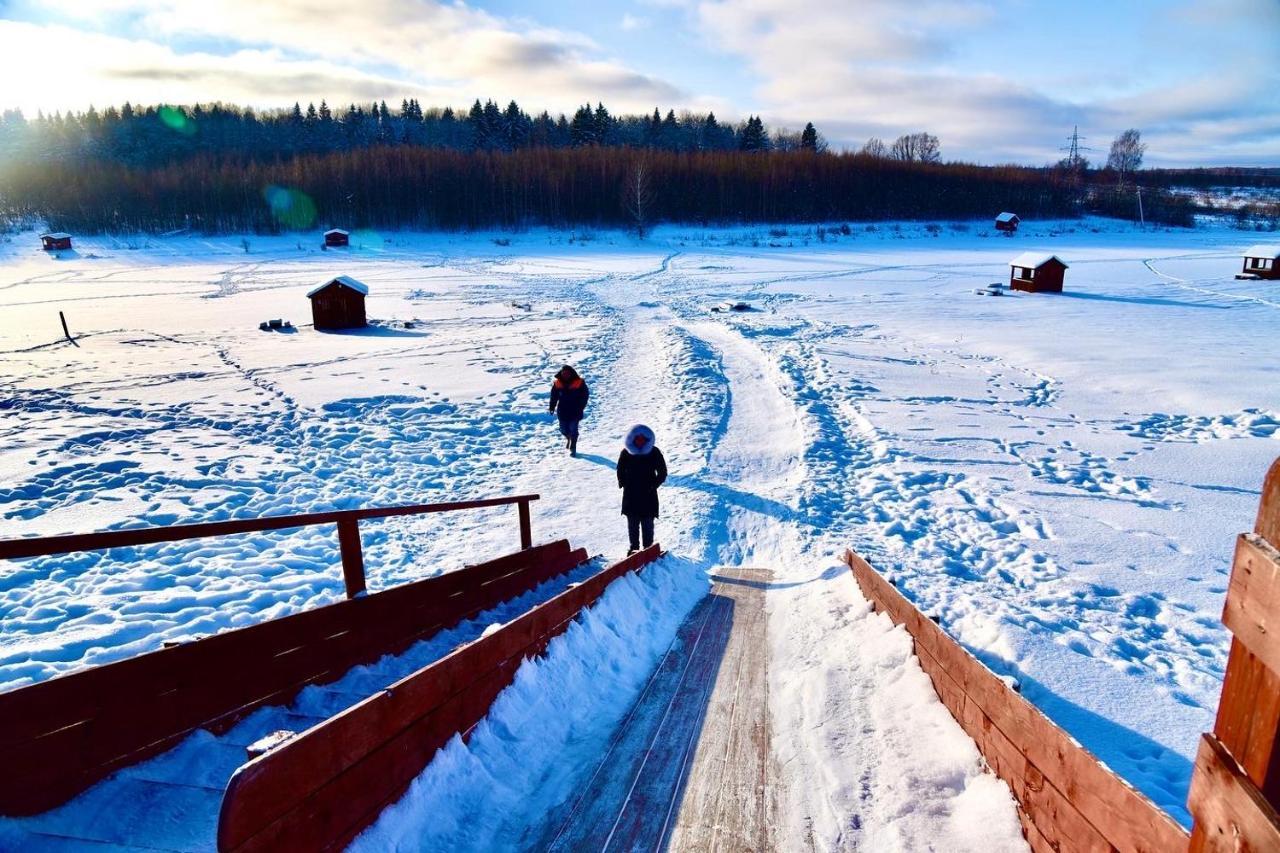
column 526, row 528
column 66, row 331
column 352, row 556
column 1235, row 788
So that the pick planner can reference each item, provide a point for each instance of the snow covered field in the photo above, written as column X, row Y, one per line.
column 1057, row 477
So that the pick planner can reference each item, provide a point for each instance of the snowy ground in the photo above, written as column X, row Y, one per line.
column 1057, row 478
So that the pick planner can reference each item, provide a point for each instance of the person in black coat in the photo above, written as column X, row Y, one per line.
column 569, row 395
column 641, row 470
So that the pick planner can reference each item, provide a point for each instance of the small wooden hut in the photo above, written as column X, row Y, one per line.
column 1007, row 222
column 1035, row 272
column 339, row 304
column 55, row 242
column 1261, row 262
column 336, row 237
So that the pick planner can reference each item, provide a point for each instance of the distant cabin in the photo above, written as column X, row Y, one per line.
column 339, row 304
column 55, row 242
column 1007, row 222
column 1262, row 261
column 337, row 237
column 1036, row 273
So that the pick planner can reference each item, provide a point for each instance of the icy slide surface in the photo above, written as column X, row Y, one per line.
column 1058, row 478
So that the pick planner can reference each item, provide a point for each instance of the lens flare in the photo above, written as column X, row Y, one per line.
column 176, row 120
column 291, row 209
column 365, row 238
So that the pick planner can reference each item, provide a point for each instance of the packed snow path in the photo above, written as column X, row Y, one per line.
column 1057, row 479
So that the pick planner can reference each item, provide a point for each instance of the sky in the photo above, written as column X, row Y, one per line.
column 996, row 80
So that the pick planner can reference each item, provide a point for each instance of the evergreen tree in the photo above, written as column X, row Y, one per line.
column 809, row 138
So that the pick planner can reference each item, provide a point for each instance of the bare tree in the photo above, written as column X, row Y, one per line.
column 917, row 147
column 875, row 147
column 1126, row 152
column 637, row 197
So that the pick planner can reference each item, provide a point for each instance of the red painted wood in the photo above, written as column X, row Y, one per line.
column 61, row 735
column 320, row 789
column 352, row 556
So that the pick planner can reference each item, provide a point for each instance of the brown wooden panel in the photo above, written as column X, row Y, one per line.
column 1252, row 609
column 61, row 735
column 1231, row 814
column 323, row 777
column 1267, row 524
column 1075, row 801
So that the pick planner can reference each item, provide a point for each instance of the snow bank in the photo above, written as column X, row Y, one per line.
column 547, row 729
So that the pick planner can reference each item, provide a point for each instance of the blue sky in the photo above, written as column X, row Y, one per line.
column 996, row 80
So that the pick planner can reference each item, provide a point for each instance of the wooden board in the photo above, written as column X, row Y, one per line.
column 1231, row 814
column 1267, row 524
column 691, row 766
column 60, row 736
column 1252, row 609
column 1073, row 800
column 320, row 789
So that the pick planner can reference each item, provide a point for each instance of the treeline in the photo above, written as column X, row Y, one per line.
column 417, row 187
column 159, row 135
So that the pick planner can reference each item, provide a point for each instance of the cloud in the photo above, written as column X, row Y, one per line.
column 254, row 51
column 632, row 22
column 887, row 68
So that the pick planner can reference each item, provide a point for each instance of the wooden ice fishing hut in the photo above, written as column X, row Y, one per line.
column 1033, row 272
column 339, row 304
column 336, row 237
column 1007, row 222
column 55, row 242
column 1261, row 262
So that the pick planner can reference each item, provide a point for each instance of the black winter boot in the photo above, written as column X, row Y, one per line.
column 573, row 446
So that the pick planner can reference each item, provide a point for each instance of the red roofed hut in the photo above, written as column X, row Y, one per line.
column 55, row 242
column 336, row 237
column 339, row 304
column 1007, row 222
column 1033, row 272
column 1261, row 262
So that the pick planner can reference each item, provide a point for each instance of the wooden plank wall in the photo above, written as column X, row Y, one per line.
column 62, row 735
column 1067, row 799
column 1235, row 789
column 322, row 788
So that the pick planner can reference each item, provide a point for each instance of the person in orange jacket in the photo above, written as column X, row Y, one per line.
column 569, row 395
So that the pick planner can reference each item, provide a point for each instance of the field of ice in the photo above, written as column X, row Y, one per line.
column 1058, row 478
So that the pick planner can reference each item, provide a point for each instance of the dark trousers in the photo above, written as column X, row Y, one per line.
column 569, row 428
column 637, row 526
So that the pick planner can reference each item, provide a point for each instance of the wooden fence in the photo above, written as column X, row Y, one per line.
column 59, row 736
column 318, row 790
column 347, row 521
column 1067, row 799
column 1235, row 789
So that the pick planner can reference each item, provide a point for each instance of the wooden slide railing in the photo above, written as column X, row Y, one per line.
column 59, row 736
column 347, row 521
column 318, row 790
column 1067, row 799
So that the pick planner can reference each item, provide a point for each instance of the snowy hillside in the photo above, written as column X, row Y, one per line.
column 1058, row 478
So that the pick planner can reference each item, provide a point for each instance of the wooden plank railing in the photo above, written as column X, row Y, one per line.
column 1235, row 789
column 59, row 736
column 1067, row 799
column 347, row 521
column 319, row 790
